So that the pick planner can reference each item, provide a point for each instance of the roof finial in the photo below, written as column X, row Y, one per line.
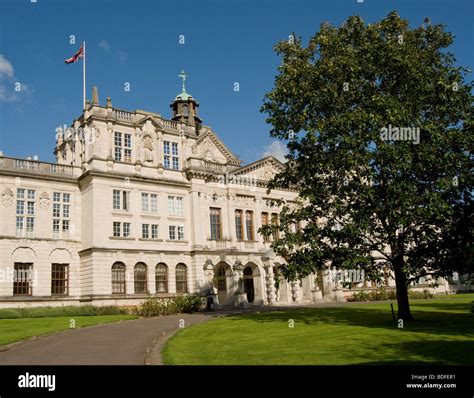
column 183, row 76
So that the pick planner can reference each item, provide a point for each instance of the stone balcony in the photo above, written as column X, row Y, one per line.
column 31, row 166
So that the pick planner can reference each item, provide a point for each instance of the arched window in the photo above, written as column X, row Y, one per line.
column 181, row 278
column 139, row 275
column 161, row 278
column 118, row 278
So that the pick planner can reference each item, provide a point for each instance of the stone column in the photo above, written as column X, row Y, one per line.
column 295, row 288
column 269, row 280
column 209, row 277
column 316, row 291
column 327, row 284
column 240, row 296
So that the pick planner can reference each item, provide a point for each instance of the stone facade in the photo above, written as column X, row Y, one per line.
column 137, row 204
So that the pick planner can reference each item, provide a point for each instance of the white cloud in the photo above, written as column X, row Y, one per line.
column 10, row 87
column 276, row 149
column 104, row 45
column 6, row 68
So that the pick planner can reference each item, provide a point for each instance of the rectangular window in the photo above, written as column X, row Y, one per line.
column 116, row 229
column 154, row 202
column 65, row 211
column 166, row 154
column 61, row 216
column 145, row 231
column 215, row 220
column 126, row 229
column 154, row 231
column 123, row 148
column 276, row 234
column 126, row 200
column 172, row 232
column 22, row 279
column 249, row 224
column 118, row 146
column 265, row 222
column 121, row 200
column 59, row 279
column 175, row 155
column 25, row 212
column 116, row 199
column 56, row 228
column 175, row 205
column 239, row 232
column 144, row 202
column 180, row 232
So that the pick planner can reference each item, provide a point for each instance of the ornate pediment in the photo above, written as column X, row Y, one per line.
column 263, row 170
column 210, row 148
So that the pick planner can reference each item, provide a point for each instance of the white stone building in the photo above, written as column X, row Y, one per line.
column 138, row 204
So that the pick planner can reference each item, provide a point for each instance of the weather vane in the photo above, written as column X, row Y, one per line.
column 183, row 76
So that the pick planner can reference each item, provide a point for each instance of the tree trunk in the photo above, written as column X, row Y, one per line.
column 402, row 294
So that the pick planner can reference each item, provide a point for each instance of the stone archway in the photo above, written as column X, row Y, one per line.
column 253, row 285
column 223, row 282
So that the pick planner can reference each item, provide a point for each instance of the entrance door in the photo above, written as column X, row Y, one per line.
column 221, row 285
column 248, row 284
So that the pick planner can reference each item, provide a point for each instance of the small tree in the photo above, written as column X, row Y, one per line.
column 373, row 193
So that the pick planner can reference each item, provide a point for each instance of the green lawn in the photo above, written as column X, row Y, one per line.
column 12, row 330
column 443, row 333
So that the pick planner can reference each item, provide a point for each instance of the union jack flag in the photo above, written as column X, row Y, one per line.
column 75, row 57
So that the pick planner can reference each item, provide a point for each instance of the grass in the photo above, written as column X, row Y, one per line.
column 443, row 333
column 12, row 330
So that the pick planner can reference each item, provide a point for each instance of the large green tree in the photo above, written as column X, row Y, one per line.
column 367, row 198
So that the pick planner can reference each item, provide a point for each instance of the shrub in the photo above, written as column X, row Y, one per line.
column 8, row 313
column 383, row 294
column 41, row 312
column 425, row 294
column 188, row 304
column 154, row 306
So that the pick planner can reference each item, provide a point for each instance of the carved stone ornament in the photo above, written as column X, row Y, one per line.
column 44, row 200
column 7, row 197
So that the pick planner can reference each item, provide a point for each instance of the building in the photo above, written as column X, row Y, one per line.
column 138, row 204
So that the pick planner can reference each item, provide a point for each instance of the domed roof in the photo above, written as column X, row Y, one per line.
column 183, row 96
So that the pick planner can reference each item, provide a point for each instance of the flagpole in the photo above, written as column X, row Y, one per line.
column 84, row 76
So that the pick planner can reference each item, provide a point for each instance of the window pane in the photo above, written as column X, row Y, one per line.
column 145, row 231
column 59, row 279
column 116, row 199
column 22, row 279
column 144, row 201
column 161, row 278
column 118, row 278
column 181, row 279
column 172, row 232
column 126, row 229
column 154, row 202
column 140, row 278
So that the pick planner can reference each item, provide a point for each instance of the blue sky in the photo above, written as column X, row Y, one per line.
column 137, row 42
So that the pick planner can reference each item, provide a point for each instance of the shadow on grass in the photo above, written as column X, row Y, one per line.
column 434, row 322
column 439, row 352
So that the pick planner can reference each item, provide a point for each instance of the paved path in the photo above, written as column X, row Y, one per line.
column 134, row 342
column 119, row 343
